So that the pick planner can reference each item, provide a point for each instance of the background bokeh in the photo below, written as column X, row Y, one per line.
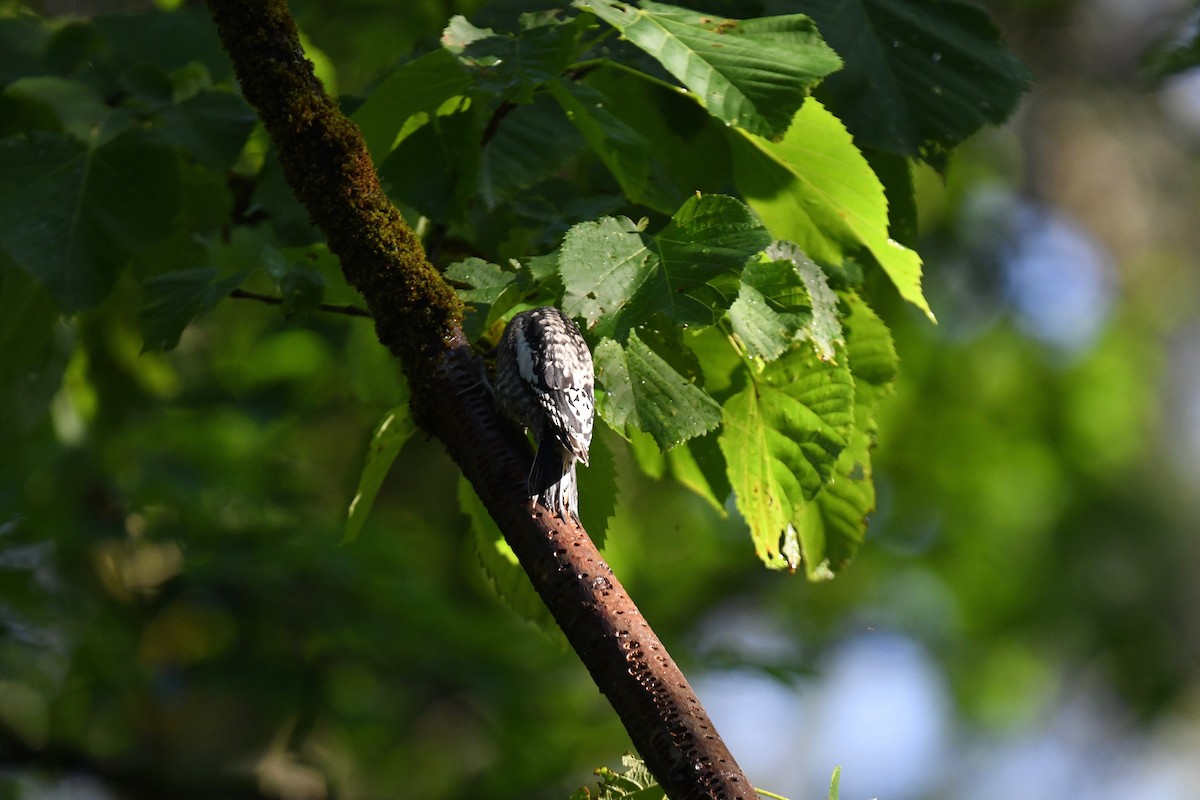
column 178, row 613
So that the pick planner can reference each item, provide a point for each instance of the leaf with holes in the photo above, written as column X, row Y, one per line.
column 643, row 392
column 617, row 277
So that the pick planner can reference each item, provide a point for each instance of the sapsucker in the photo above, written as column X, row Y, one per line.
column 545, row 382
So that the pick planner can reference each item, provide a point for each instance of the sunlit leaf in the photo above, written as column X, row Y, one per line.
column 632, row 782
column 781, row 437
column 832, row 528
column 815, row 188
column 642, row 391
column 493, row 291
column 616, row 277
column 751, row 73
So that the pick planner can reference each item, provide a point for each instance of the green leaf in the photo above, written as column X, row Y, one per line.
column 832, row 528
column 823, row 327
column 633, row 782
column 172, row 300
column 46, row 102
column 896, row 174
column 598, row 490
column 168, row 40
column 921, row 75
column 27, row 320
column 643, row 392
column 446, row 148
column 504, row 572
column 617, row 278
column 22, row 40
column 750, row 73
column 512, row 65
column 623, row 150
column 785, row 296
column 687, row 147
column 529, row 146
column 603, row 264
column 213, row 125
column 396, row 428
column 70, row 216
column 699, row 466
column 418, row 86
column 815, row 188
column 781, row 437
column 493, row 292
column 300, row 286
column 835, row 781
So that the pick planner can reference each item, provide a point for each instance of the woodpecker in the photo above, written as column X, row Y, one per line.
column 545, row 382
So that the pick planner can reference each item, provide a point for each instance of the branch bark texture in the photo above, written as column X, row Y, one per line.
column 418, row 317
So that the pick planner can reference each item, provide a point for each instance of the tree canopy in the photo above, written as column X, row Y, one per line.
column 232, row 562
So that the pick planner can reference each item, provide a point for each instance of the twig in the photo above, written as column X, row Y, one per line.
column 332, row 308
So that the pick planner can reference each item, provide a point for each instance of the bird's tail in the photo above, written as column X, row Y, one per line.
column 552, row 480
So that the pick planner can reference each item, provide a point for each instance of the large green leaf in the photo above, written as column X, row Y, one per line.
column 781, row 436
column 831, row 529
column 920, row 74
column 815, row 188
column 617, row 277
column 751, row 73
column 641, row 391
column 70, row 215
column 530, row 145
column 49, row 102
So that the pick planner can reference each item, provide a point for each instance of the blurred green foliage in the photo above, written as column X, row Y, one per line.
column 177, row 607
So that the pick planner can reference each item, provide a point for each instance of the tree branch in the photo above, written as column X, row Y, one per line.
column 332, row 308
column 418, row 317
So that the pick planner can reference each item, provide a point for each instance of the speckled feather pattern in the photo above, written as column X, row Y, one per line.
column 545, row 381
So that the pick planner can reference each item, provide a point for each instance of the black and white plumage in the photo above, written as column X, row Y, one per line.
column 545, row 382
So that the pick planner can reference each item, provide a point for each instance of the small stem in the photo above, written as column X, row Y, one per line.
column 332, row 308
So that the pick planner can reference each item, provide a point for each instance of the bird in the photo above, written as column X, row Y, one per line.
column 545, row 382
